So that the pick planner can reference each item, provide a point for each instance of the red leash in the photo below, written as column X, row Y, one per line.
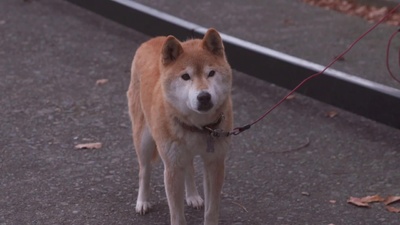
column 239, row 130
column 387, row 56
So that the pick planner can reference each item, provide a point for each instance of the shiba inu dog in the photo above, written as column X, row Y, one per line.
column 179, row 92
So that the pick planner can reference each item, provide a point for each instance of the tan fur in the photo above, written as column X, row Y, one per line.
column 158, row 97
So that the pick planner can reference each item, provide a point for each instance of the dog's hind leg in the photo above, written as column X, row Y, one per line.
column 192, row 195
column 144, row 144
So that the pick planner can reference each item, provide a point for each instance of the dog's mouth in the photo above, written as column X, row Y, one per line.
column 204, row 107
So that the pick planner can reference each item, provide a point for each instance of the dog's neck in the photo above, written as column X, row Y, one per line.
column 203, row 129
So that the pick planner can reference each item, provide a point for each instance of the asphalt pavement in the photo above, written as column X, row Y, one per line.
column 298, row 166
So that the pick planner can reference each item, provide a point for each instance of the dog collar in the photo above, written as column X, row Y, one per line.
column 211, row 128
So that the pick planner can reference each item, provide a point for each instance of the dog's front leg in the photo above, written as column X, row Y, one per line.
column 174, row 178
column 192, row 195
column 214, row 172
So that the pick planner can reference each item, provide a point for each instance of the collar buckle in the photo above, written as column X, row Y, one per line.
column 216, row 132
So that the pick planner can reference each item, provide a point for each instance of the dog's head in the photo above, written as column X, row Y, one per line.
column 195, row 74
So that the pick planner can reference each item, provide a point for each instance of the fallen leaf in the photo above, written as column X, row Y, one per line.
column 290, row 97
column 373, row 198
column 376, row 13
column 95, row 145
column 361, row 10
column 358, row 8
column 101, row 81
column 331, row 114
column 305, row 193
column 357, row 202
column 391, row 199
column 392, row 209
column 363, row 202
column 332, row 201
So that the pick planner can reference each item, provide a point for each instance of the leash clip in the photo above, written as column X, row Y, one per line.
column 239, row 130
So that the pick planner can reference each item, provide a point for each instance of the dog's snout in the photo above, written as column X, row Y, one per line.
column 204, row 101
column 204, row 97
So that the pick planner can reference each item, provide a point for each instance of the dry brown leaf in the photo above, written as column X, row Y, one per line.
column 361, row 10
column 357, row 202
column 363, row 202
column 392, row 209
column 365, row 11
column 290, row 97
column 376, row 13
column 331, row 114
column 373, row 198
column 391, row 199
column 101, row 81
column 95, row 145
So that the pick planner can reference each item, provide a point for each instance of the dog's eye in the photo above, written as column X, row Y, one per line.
column 185, row 76
column 211, row 73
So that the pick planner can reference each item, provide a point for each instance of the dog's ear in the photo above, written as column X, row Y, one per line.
column 170, row 50
column 212, row 42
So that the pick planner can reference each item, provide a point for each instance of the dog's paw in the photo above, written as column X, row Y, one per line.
column 142, row 207
column 195, row 201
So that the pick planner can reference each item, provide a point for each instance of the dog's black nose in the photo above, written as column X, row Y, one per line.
column 204, row 97
column 205, row 102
